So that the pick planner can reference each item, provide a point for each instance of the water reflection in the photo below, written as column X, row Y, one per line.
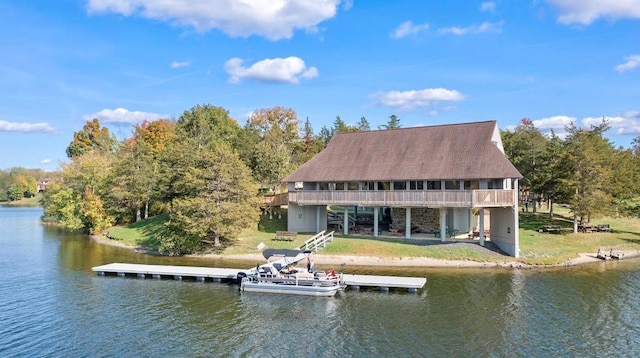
column 54, row 305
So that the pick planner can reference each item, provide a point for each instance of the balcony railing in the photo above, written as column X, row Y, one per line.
column 406, row 198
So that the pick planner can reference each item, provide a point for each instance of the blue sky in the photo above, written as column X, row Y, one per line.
column 428, row 62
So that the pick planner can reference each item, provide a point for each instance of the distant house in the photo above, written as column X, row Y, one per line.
column 442, row 179
column 43, row 183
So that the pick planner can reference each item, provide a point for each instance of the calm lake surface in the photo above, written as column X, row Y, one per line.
column 53, row 305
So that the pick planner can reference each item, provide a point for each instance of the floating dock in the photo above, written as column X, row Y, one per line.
column 384, row 283
column 412, row 284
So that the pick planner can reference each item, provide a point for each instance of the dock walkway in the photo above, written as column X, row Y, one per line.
column 159, row 271
column 384, row 283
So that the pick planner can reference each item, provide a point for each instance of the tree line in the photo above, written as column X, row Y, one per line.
column 204, row 170
column 17, row 183
column 583, row 170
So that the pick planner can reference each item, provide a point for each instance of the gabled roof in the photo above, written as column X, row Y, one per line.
column 454, row 151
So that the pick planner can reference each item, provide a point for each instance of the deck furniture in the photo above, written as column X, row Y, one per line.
column 449, row 232
column 366, row 231
column 604, row 228
column 602, row 255
column 584, row 228
column 395, row 232
column 285, row 236
column 550, row 229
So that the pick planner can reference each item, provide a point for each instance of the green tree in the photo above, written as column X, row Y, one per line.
column 64, row 205
column 623, row 185
column 15, row 192
column 553, row 173
column 589, row 160
column 205, row 124
column 526, row 147
column 392, row 123
column 31, row 187
column 363, row 125
column 310, row 145
column 219, row 200
column 278, row 130
column 325, row 136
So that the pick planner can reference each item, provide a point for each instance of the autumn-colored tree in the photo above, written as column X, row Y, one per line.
column 92, row 137
column 86, row 184
column 136, row 169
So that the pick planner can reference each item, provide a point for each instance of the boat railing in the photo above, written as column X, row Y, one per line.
column 317, row 241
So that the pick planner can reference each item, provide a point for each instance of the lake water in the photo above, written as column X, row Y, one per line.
column 53, row 305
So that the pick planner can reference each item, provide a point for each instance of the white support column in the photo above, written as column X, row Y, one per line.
column 407, row 224
column 443, row 224
column 516, row 221
column 376, row 210
column 481, row 229
column 345, row 228
column 317, row 219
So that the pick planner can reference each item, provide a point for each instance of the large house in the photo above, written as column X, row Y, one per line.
column 445, row 179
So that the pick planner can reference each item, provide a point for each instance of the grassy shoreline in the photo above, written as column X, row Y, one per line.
column 537, row 249
column 33, row 201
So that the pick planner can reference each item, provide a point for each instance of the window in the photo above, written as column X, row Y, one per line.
column 416, row 185
column 471, row 185
column 384, row 185
column 494, row 184
column 352, row 186
column 451, row 185
column 434, row 185
column 368, row 185
column 399, row 185
column 339, row 186
column 324, row 186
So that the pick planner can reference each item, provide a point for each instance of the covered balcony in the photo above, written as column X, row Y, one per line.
column 484, row 198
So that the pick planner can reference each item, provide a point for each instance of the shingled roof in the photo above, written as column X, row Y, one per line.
column 454, row 151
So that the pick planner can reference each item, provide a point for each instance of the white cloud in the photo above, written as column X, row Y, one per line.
column 488, row 6
column 633, row 61
column 122, row 116
column 417, row 98
column 274, row 19
column 473, row 29
column 408, row 28
column 620, row 124
column 289, row 70
column 624, row 123
column 587, row 11
column 555, row 122
column 177, row 64
column 45, row 161
column 24, row 127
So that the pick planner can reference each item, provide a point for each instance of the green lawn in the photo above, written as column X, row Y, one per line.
column 535, row 247
column 33, row 201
